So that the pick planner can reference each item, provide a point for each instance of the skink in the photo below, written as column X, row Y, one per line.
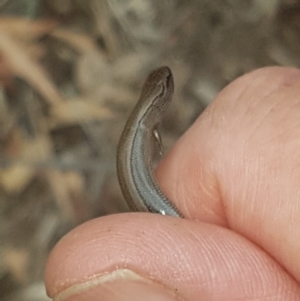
column 138, row 143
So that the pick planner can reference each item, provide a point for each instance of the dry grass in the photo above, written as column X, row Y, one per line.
column 69, row 76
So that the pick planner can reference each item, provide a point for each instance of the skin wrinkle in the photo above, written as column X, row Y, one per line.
column 295, row 207
column 260, row 220
column 296, row 170
column 206, row 177
column 204, row 187
column 217, row 189
column 229, row 106
column 234, row 214
column 244, row 92
column 282, row 202
column 284, row 132
column 237, row 213
column 277, row 170
column 268, row 236
column 260, row 280
column 250, row 87
column 288, row 112
column 213, row 246
column 208, row 256
column 258, row 123
column 268, row 94
column 254, row 290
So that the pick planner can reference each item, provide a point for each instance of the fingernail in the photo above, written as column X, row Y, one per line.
column 120, row 285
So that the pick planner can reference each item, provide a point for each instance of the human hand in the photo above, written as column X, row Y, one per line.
column 235, row 176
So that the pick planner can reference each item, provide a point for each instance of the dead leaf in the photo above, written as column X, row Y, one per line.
column 78, row 110
column 26, row 29
column 79, row 42
column 27, row 68
column 17, row 176
column 16, row 260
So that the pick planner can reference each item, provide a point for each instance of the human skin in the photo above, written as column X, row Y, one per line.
column 235, row 176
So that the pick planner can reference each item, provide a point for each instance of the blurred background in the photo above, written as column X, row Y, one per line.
column 71, row 72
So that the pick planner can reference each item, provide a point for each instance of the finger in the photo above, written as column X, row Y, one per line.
column 239, row 165
column 187, row 260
